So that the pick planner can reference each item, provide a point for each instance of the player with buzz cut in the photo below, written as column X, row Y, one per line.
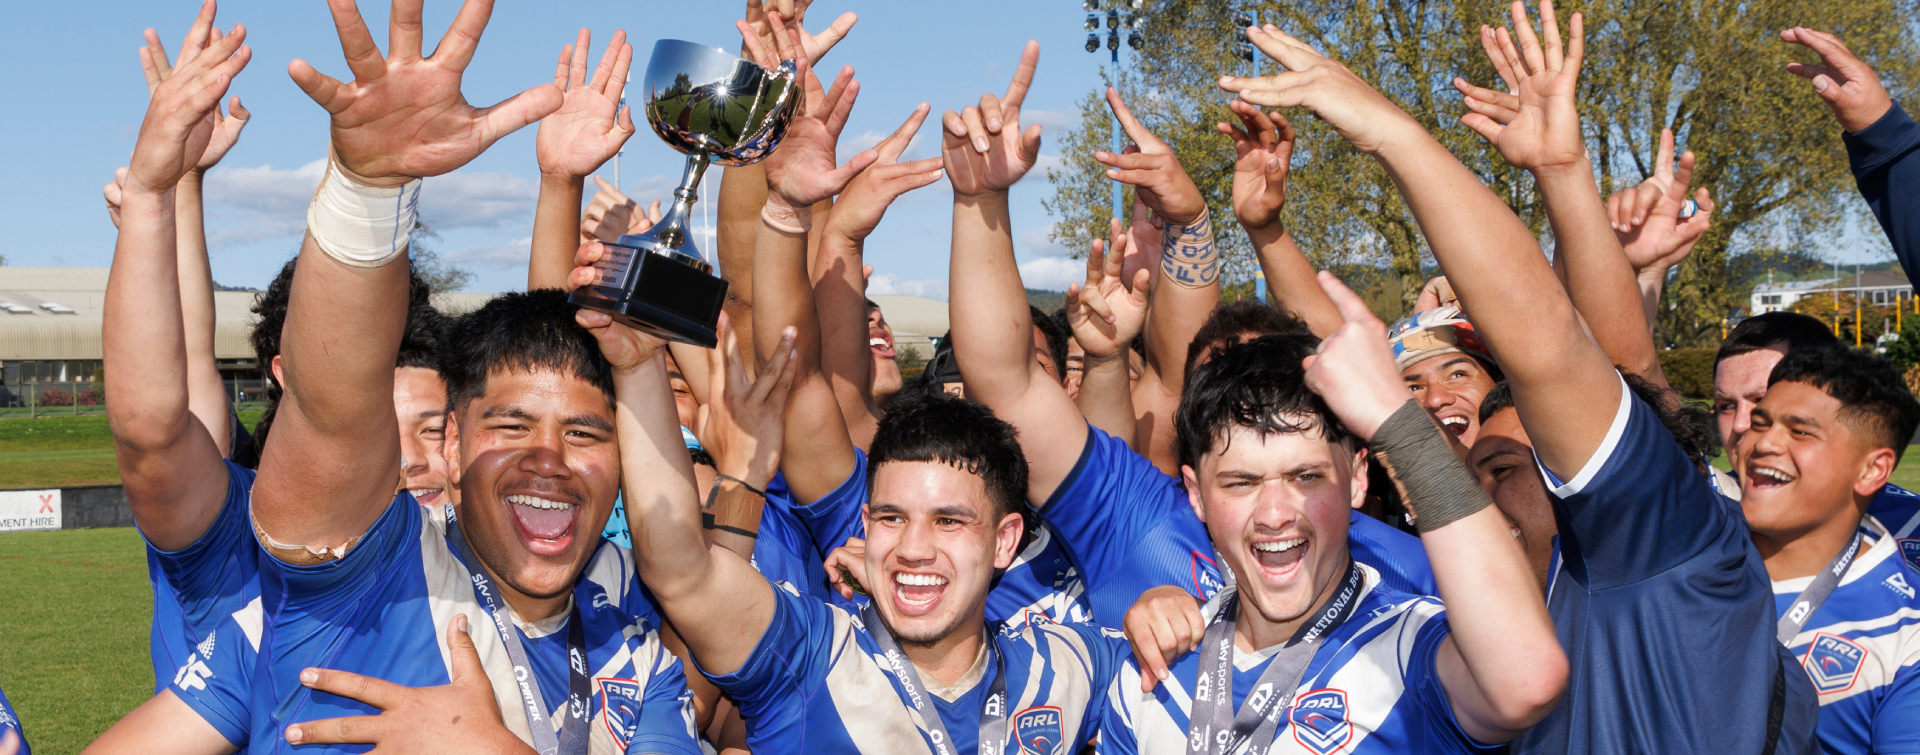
column 1822, row 443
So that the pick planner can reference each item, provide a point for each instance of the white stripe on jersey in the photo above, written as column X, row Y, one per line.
column 1886, row 652
column 856, row 683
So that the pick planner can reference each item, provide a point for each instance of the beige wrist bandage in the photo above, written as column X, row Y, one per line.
column 361, row 225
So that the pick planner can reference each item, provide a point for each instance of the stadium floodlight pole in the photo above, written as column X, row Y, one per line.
column 1116, row 22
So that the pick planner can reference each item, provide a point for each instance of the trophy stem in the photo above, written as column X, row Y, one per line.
column 672, row 228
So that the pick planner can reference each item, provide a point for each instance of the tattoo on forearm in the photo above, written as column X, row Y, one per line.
column 1188, row 255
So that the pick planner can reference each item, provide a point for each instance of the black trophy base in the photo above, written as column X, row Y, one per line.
column 669, row 299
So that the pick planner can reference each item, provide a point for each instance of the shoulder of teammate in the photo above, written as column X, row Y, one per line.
column 802, row 642
column 390, row 546
column 216, row 679
column 1400, row 558
column 829, row 521
column 1112, row 498
column 1899, row 509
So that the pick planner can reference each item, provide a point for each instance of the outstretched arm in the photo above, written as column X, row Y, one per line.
column 1106, row 314
column 1502, row 665
column 1564, row 386
column 331, row 465
column 573, row 142
column 1543, row 137
column 206, row 393
column 1187, row 288
column 1263, row 145
column 169, row 461
column 986, row 152
column 839, row 288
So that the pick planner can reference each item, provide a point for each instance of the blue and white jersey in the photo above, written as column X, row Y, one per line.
column 197, row 587
column 785, row 551
column 382, row 611
column 1861, row 648
column 10, row 722
column 1370, row 688
column 616, row 529
column 817, row 682
column 1042, row 583
column 1664, row 609
column 216, row 680
column 1898, row 509
column 1132, row 528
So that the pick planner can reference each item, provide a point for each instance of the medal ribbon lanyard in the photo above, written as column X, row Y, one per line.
column 1214, row 729
column 993, row 711
column 572, row 739
column 1817, row 591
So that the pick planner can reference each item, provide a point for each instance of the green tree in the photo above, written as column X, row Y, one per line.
column 441, row 276
column 1713, row 70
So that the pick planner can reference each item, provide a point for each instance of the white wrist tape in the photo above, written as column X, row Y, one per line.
column 361, row 225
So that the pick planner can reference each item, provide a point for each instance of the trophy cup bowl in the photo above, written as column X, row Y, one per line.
column 715, row 107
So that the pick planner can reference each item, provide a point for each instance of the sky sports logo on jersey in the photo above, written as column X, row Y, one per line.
column 1040, row 731
column 1833, row 662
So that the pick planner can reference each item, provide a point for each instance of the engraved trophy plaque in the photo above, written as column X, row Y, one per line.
column 715, row 107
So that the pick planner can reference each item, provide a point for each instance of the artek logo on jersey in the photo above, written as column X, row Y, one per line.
column 1833, row 662
column 1898, row 583
column 1039, row 731
column 620, row 704
column 1319, row 721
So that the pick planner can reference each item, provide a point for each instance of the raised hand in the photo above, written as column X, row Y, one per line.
column 1354, row 371
column 742, row 423
column 1436, row 294
column 1108, row 311
column 611, row 215
column 859, row 209
column 625, row 348
column 1146, row 241
column 179, row 123
column 1539, row 126
column 403, row 117
column 801, row 172
column 113, row 193
column 1846, row 84
column 1264, row 151
column 1150, row 167
column 460, row 715
column 984, row 148
column 226, row 128
column 1647, row 217
column 795, row 11
column 1357, row 111
column 588, row 129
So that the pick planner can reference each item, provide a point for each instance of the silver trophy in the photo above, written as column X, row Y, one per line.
column 717, row 108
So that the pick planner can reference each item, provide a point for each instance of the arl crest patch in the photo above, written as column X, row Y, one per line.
column 1206, row 575
column 1320, row 722
column 1039, row 731
column 1910, row 550
column 1833, row 662
column 620, row 704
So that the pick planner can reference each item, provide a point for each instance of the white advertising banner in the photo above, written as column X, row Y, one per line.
column 29, row 510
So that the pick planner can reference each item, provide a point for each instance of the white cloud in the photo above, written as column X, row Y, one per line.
column 1040, row 167
column 661, row 188
column 1051, row 121
column 503, row 256
column 477, row 200
column 888, row 284
column 871, row 139
column 262, row 202
column 1052, row 273
column 1036, row 242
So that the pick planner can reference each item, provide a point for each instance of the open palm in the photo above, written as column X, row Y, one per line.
column 1107, row 312
column 1544, row 129
column 403, row 117
column 222, row 130
column 590, row 125
column 802, row 170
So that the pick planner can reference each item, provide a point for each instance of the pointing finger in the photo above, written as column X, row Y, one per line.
column 1352, row 308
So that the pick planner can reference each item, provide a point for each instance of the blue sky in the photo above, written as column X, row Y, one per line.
column 77, row 97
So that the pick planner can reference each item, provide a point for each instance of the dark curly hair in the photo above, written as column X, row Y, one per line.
column 1258, row 385
column 961, row 434
column 1874, row 399
column 1228, row 321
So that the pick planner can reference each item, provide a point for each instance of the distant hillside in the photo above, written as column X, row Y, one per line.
column 1047, row 301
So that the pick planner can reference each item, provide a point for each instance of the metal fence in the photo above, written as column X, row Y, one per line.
column 84, row 398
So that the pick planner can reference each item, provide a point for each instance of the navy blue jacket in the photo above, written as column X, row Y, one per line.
column 1886, row 163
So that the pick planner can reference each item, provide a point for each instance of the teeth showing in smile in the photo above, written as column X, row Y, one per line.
column 920, row 580
column 878, row 343
column 1771, row 475
column 536, row 502
column 1280, row 546
column 1453, row 422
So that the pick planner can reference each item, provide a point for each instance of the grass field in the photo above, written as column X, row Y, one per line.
column 53, row 452
column 73, row 635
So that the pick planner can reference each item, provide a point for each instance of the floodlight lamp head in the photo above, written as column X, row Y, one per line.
column 1093, row 21
column 1113, row 19
column 1113, row 41
column 1093, row 43
column 1134, row 41
column 1091, row 5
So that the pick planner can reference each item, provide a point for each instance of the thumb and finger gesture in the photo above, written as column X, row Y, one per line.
column 1538, row 125
column 1357, row 111
column 984, row 149
column 1844, row 82
column 1263, row 147
column 864, row 202
column 411, row 719
column 610, row 214
column 1152, row 169
column 745, row 422
column 590, row 125
column 1108, row 311
column 225, row 128
column 1353, row 371
column 403, row 116
column 815, row 46
column 179, row 121
column 1647, row 217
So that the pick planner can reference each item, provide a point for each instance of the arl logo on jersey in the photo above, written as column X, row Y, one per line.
column 1039, row 731
column 1206, row 575
column 1833, row 662
column 620, row 703
column 1910, row 550
column 1319, row 721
